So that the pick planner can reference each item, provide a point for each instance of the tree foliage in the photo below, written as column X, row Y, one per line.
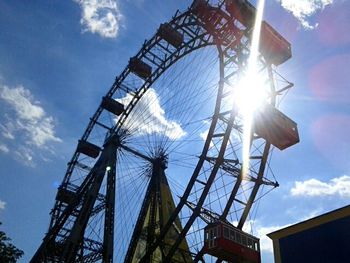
column 8, row 252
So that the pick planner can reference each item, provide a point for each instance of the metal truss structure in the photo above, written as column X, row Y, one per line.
column 86, row 213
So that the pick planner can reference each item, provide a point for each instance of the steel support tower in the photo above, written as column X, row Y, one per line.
column 83, row 219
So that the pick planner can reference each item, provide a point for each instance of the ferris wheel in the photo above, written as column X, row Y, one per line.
column 161, row 158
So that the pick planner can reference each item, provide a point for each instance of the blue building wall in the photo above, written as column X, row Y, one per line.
column 327, row 243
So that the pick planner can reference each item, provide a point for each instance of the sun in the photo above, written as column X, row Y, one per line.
column 251, row 93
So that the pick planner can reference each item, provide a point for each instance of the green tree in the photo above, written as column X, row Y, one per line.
column 8, row 252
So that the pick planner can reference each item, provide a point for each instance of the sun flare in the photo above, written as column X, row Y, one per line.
column 250, row 93
column 250, row 89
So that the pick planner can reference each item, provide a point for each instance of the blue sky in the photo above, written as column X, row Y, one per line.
column 57, row 60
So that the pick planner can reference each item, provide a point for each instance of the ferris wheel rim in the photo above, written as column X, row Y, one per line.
column 117, row 84
column 144, row 88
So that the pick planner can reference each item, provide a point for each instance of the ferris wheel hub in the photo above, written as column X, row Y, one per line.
column 161, row 161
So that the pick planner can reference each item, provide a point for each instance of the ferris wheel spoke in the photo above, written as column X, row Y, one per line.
column 136, row 153
column 177, row 129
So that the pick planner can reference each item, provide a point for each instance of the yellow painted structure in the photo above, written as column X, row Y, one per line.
column 163, row 211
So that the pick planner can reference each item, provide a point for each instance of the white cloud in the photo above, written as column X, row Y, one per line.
column 2, row 205
column 25, row 125
column 149, row 117
column 265, row 241
column 4, row 148
column 30, row 118
column 304, row 9
column 339, row 186
column 5, row 132
column 25, row 155
column 204, row 135
column 100, row 16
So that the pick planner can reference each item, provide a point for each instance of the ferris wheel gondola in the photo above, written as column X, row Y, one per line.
column 161, row 157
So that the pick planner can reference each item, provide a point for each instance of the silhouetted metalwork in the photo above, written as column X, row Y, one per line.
column 83, row 219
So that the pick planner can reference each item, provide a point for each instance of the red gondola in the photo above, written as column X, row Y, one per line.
column 275, row 48
column 226, row 242
column 275, row 127
column 210, row 16
column 170, row 35
column 140, row 68
column 88, row 149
